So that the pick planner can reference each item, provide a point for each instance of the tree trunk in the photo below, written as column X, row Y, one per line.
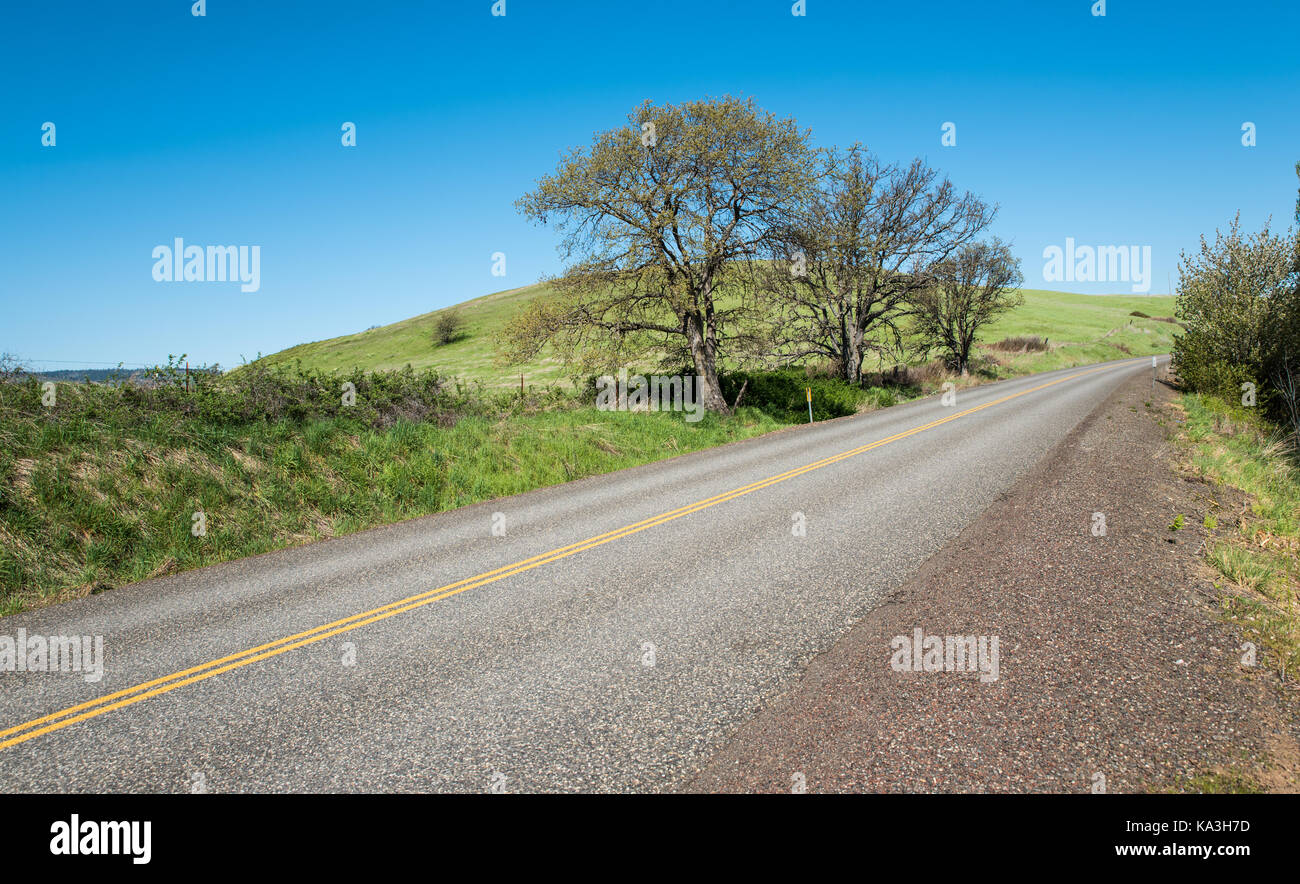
column 708, row 390
column 853, row 356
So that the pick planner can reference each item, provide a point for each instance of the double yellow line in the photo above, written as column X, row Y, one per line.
column 129, row 696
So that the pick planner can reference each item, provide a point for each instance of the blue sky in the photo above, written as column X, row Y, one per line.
column 225, row 130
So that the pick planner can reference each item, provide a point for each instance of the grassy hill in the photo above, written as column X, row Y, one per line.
column 1082, row 329
column 410, row 342
column 1079, row 328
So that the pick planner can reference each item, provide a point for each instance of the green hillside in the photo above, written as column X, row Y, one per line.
column 1079, row 329
column 1082, row 329
column 410, row 342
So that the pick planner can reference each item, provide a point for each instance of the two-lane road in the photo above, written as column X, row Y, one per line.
column 617, row 633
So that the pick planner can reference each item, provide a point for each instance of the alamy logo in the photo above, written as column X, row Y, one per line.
column 655, row 393
column 181, row 263
column 945, row 653
column 87, row 837
column 55, row 653
column 1101, row 264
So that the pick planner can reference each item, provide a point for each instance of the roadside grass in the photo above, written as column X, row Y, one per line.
column 1258, row 549
column 97, row 497
column 1224, row 782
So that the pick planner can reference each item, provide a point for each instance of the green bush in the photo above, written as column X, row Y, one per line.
column 1239, row 303
column 781, row 394
column 448, row 327
column 253, row 394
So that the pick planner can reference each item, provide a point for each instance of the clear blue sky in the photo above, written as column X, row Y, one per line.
column 225, row 130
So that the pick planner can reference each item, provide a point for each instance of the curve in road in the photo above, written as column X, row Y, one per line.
column 622, row 670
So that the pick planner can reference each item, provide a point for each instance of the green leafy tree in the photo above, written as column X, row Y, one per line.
column 663, row 219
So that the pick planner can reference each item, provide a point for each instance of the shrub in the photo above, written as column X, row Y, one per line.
column 254, row 394
column 782, row 394
column 1021, row 344
column 448, row 327
column 1239, row 303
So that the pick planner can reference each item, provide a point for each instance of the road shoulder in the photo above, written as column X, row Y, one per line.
column 1115, row 670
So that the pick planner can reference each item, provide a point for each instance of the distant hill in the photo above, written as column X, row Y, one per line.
column 102, row 375
column 1081, row 328
column 95, row 375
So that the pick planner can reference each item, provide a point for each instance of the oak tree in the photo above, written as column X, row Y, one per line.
column 663, row 220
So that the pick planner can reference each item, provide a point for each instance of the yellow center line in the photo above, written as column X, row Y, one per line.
column 135, row 694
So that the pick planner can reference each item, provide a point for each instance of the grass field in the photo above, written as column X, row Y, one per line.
column 1081, row 329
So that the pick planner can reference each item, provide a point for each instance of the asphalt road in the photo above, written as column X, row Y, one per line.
column 620, row 662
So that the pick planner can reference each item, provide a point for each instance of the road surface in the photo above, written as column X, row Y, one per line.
column 612, row 639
